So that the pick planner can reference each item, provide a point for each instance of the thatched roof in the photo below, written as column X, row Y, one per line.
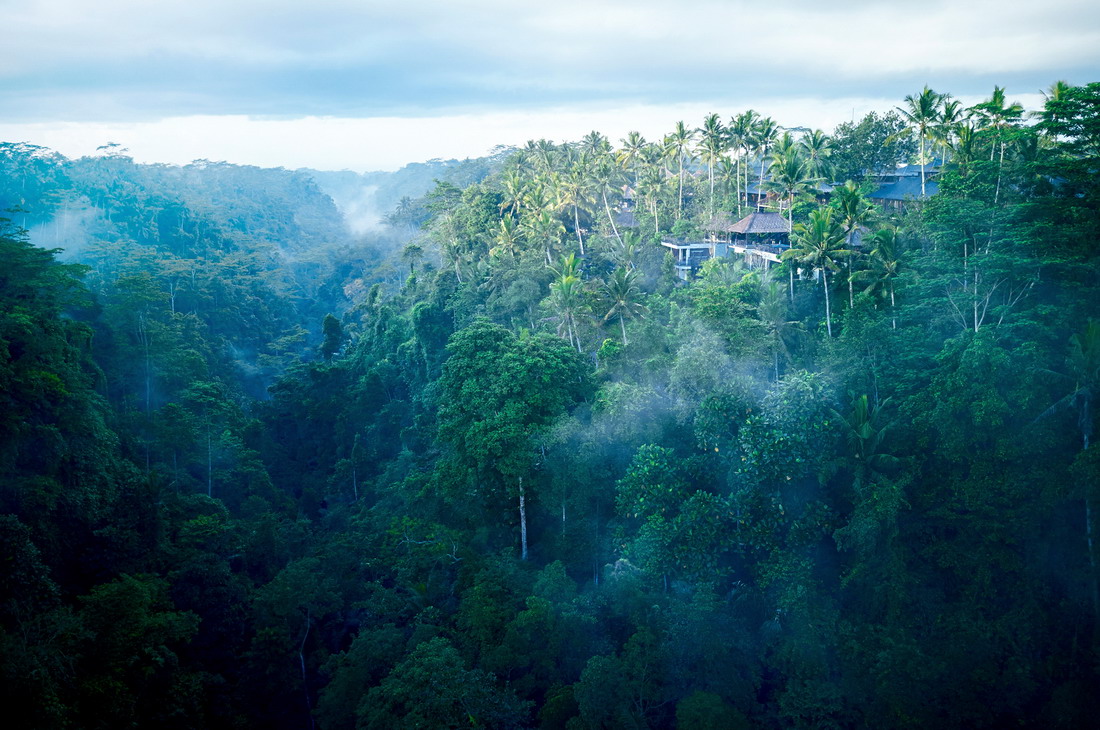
column 761, row 223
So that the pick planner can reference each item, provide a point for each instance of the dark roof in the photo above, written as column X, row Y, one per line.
column 762, row 223
column 625, row 219
column 905, row 188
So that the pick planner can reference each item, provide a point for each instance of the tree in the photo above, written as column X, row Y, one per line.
column 496, row 395
column 854, row 211
column 873, row 145
column 817, row 149
column 678, row 144
column 790, row 177
column 622, row 296
column 772, row 312
column 741, row 132
column 334, row 337
column 885, row 263
column 921, row 113
column 630, row 154
column 1083, row 366
column 566, row 299
column 432, row 687
column 817, row 244
column 605, row 179
column 999, row 116
column 412, row 254
column 712, row 145
column 764, row 135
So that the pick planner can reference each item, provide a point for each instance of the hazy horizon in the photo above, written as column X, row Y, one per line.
column 342, row 85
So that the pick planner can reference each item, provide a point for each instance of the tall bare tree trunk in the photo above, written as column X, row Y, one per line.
column 522, row 521
column 302, row 663
column 577, row 228
column 611, row 218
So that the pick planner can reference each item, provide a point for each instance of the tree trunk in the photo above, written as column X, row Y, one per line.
column 302, row 663
column 893, row 307
column 622, row 325
column 1092, row 556
column 851, row 295
column 522, row 521
column 680, row 206
column 577, row 228
column 922, row 164
column 828, row 316
column 1000, row 166
column 611, row 218
column 209, row 463
column 711, row 166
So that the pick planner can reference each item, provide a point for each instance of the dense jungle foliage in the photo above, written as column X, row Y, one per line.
column 496, row 466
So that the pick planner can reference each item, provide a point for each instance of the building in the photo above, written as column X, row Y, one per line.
column 902, row 184
column 760, row 237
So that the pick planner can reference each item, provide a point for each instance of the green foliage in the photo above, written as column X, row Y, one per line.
column 432, row 688
column 252, row 475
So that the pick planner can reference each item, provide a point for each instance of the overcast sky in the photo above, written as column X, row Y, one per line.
column 361, row 84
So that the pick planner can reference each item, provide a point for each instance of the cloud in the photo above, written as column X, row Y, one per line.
column 118, row 60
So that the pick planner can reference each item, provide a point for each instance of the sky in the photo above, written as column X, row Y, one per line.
column 369, row 85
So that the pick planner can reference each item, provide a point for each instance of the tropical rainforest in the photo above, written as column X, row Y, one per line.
column 493, row 464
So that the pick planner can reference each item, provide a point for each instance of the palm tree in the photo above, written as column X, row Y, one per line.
column 921, row 113
column 855, row 212
column 817, row 148
column 651, row 185
column 623, row 255
column 772, row 313
column 628, row 156
column 728, row 178
column 605, row 179
column 595, row 145
column 865, row 435
column 515, row 190
column 566, row 298
column 569, row 266
column 507, row 238
column 950, row 122
column 679, row 143
column 741, row 138
column 712, row 144
column 622, row 296
column 1056, row 92
column 544, row 153
column 764, row 135
column 571, row 190
column 789, row 178
column 884, row 265
column 817, row 245
column 544, row 229
column 999, row 116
